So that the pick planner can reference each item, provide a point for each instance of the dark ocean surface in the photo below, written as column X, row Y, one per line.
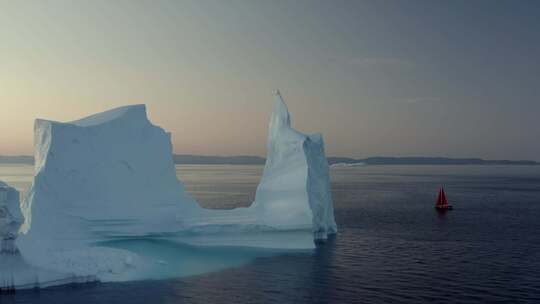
column 392, row 246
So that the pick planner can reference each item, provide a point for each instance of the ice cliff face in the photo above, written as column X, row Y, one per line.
column 111, row 176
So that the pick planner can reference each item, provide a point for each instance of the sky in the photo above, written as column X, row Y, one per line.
column 393, row 78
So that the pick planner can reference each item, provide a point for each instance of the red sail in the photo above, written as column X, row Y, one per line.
column 444, row 201
column 441, row 199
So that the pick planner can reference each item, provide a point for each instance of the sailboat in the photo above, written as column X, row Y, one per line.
column 442, row 202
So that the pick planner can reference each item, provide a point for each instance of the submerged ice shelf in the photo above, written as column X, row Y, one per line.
column 110, row 177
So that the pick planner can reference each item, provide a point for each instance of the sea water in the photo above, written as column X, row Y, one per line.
column 392, row 246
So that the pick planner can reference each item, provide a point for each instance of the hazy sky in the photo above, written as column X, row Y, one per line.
column 441, row 78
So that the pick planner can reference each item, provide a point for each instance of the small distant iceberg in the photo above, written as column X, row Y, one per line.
column 110, row 178
column 341, row 165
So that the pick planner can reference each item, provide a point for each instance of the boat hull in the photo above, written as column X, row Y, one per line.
column 445, row 208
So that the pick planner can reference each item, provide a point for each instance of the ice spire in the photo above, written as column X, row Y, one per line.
column 280, row 115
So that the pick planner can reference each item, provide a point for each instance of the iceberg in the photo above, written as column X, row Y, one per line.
column 14, row 271
column 11, row 218
column 111, row 177
column 343, row 165
column 294, row 192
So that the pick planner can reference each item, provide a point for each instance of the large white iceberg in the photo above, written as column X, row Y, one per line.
column 111, row 176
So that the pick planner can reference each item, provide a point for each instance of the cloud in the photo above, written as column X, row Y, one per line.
column 381, row 61
column 416, row 100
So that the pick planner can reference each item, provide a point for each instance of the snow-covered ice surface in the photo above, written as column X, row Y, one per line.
column 109, row 179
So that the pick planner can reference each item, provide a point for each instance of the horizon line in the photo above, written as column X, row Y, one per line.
column 331, row 156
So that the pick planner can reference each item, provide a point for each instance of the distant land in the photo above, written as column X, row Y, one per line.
column 189, row 159
column 379, row 160
column 19, row 159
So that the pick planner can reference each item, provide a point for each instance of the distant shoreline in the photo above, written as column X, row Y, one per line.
column 189, row 159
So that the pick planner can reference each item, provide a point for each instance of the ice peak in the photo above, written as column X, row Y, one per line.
column 280, row 113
